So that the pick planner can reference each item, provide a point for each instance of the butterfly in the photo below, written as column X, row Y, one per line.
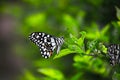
column 46, row 43
column 114, row 54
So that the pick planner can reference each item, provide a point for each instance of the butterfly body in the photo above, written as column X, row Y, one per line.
column 47, row 43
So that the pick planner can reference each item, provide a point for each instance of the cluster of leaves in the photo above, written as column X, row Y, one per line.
column 85, row 40
column 86, row 43
column 89, row 51
column 90, row 57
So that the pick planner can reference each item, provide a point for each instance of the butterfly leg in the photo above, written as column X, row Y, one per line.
column 51, row 52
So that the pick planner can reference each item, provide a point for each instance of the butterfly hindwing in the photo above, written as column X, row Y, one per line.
column 45, row 53
column 47, row 43
column 47, row 48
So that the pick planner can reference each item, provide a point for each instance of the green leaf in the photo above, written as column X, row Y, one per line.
column 103, row 32
column 116, row 76
column 70, row 24
column 52, row 73
column 77, row 49
column 118, row 12
column 78, row 58
column 80, row 41
column 92, row 44
column 93, row 64
column 104, row 49
column 105, row 29
column 118, row 23
column 77, row 76
column 28, row 76
column 63, row 52
column 36, row 20
column 93, row 32
column 73, row 39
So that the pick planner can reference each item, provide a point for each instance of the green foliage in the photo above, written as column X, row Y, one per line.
column 95, row 33
column 118, row 13
column 95, row 64
column 70, row 24
column 116, row 76
column 87, row 47
column 63, row 53
column 29, row 76
column 36, row 19
column 52, row 73
column 74, row 45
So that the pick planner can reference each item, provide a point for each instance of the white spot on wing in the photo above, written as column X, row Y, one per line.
column 44, row 49
column 52, row 40
column 48, row 35
column 48, row 53
column 45, row 40
column 44, row 53
column 45, row 56
column 37, row 36
column 53, row 44
column 41, row 52
column 39, row 33
column 33, row 34
column 45, row 37
column 43, row 34
column 43, row 44
column 38, row 41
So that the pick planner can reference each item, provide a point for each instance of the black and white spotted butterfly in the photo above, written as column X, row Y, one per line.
column 114, row 54
column 47, row 43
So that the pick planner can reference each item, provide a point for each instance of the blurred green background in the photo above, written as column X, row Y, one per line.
column 88, row 26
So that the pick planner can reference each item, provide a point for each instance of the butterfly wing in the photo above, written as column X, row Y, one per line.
column 114, row 54
column 45, row 42
column 59, row 42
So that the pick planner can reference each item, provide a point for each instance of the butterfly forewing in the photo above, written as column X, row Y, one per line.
column 47, row 43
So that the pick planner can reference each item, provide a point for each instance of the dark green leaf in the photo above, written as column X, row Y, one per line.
column 118, row 12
